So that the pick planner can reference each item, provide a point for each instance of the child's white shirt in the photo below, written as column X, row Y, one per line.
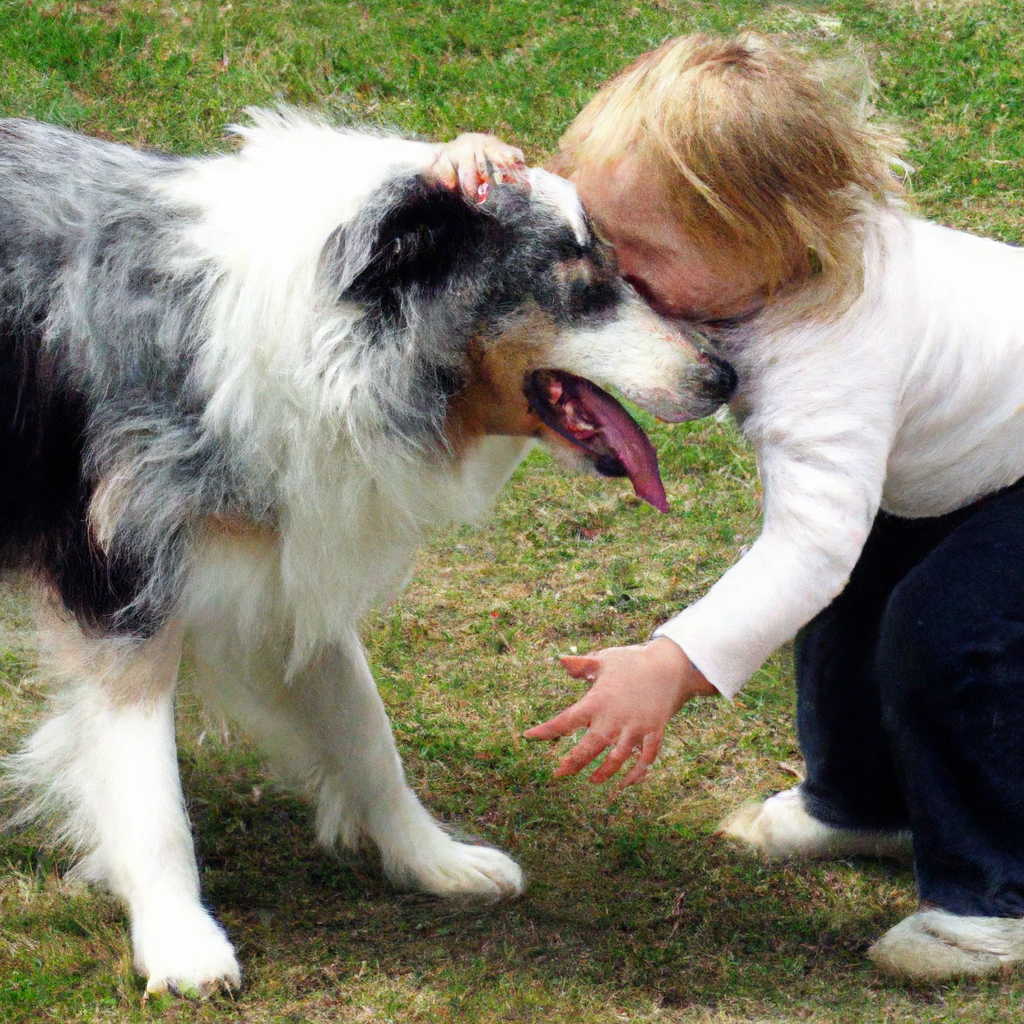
column 913, row 401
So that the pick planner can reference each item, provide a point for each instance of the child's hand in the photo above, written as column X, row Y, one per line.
column 468, row 161
column 636, row 691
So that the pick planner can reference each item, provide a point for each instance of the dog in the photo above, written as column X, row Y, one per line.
column 238, row 392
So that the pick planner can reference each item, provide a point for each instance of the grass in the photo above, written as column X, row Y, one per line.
column 635, row 911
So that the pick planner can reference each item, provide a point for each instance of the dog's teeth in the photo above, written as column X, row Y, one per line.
column 575, row 422
column 554, row 391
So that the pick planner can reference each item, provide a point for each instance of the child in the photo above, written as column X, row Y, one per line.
column 881, row 369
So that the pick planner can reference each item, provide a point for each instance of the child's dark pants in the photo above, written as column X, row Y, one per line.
column 910, row 707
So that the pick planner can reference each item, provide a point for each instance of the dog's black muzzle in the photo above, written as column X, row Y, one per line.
column 720, row 379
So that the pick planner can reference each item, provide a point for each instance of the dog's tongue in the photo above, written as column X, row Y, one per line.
column 582, row 413
column 629, row 444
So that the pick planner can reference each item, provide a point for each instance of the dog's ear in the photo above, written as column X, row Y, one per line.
column 412, row 236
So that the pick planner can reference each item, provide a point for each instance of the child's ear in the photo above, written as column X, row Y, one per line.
column 410, row 236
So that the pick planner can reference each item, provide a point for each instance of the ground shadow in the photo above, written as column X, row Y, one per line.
column 681, row 919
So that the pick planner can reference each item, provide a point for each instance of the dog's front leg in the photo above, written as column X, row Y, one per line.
column 108, row 759
column 327, row 726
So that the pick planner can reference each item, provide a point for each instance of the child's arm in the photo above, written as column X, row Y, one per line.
column 636, row 691
column 823, row 405
column 468, row 161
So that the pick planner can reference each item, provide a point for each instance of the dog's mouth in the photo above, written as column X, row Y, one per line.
column 599, row 426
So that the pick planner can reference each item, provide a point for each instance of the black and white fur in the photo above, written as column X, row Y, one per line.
column 226, row 422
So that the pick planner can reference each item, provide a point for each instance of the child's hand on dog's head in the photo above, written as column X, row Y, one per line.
column 474, row 162
column 636, row 691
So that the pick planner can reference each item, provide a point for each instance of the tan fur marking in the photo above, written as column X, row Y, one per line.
column 492, row 402
column 128, row 671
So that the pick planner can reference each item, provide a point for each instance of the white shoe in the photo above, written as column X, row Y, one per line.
column 933, row 945
column 781, row 829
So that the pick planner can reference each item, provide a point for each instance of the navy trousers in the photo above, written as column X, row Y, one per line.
column 910, row 700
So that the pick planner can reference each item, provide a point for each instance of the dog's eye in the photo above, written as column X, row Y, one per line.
column 418, row 238
column 584, row 288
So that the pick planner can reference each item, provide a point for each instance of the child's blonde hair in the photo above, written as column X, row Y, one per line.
column 763, row 161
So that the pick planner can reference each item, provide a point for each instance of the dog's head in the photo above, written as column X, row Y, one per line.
column 509, row 317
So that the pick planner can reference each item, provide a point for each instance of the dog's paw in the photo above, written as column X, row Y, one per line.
column 184, row 952
column 459, row 870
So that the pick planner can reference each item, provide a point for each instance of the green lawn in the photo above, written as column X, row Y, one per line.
column 635, row 911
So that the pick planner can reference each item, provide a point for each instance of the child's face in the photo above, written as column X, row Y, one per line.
column 654, row 254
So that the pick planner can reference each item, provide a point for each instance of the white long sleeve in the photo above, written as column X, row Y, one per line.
column 911, row 401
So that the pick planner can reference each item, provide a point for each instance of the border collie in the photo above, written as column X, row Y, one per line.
column 237, row 393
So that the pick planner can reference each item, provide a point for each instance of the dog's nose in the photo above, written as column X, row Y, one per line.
column 720, row 380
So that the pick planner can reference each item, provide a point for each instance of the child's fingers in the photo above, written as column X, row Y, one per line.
column 634, row 775
column 581, row 755
column 470, row 179
column 648, row 755
column 508, row 160
column 500, row 154
column 444, row 172
column 616, row 758
column 467, row 164
column 565, row 722
column 581, row 666
column 506, row 155
column 514, row 174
